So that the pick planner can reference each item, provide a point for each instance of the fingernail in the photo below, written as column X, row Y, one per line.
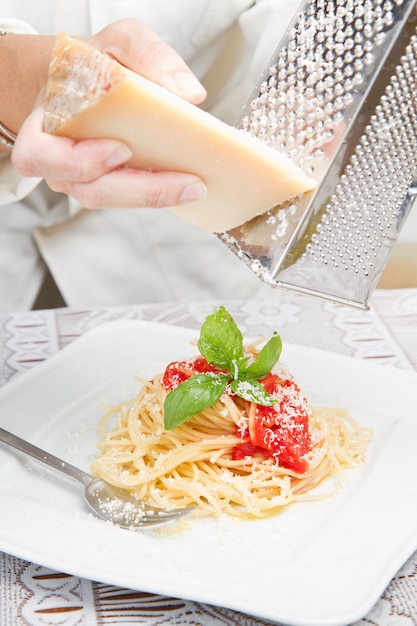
column 188, row 85
column 195, row 191
column 118, row 157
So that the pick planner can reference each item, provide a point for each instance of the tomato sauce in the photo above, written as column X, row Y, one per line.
column 280, row 431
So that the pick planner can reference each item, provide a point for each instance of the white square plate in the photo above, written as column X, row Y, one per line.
column 315, row 564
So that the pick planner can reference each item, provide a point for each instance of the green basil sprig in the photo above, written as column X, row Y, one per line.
column 221, row 344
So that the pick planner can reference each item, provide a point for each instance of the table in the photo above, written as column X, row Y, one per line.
column 32, row 595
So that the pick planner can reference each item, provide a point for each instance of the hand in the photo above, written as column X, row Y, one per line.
column 92, row 171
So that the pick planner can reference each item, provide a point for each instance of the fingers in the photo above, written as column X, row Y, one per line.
column 139, row 49
column 39, row 154
column 130, row 188
column 90, row 171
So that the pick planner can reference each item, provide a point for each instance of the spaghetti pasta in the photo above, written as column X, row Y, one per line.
column 209, row 460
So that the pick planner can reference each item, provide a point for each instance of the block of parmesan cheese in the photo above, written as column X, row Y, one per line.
column 90, row 95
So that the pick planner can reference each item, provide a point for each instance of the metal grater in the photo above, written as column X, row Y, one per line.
column 339, row 98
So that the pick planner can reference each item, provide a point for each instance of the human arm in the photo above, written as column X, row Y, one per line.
column 24, row 60
column 90, row 170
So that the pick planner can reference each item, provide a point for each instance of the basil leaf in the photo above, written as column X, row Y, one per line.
column 221, row 342
column 266, row 358
column 238, row 367
column 253, row 391
column 191, row 397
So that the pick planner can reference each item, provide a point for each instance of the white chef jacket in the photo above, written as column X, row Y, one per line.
column 130, row 256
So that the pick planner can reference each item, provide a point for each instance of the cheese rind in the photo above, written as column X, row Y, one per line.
column 89, row 95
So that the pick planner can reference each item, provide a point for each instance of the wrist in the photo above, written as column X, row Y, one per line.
column 7, row 138
column 24, row 62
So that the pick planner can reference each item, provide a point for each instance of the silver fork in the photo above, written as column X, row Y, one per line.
column 110, row 503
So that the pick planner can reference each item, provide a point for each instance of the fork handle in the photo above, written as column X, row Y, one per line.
column 44, row 457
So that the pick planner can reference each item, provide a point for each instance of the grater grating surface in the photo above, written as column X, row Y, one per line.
column 338, row 97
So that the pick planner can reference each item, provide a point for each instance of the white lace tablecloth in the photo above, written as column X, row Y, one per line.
column 32, row 595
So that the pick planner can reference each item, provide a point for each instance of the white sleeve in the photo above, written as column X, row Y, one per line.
column 16, row 26
column 13, row 186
